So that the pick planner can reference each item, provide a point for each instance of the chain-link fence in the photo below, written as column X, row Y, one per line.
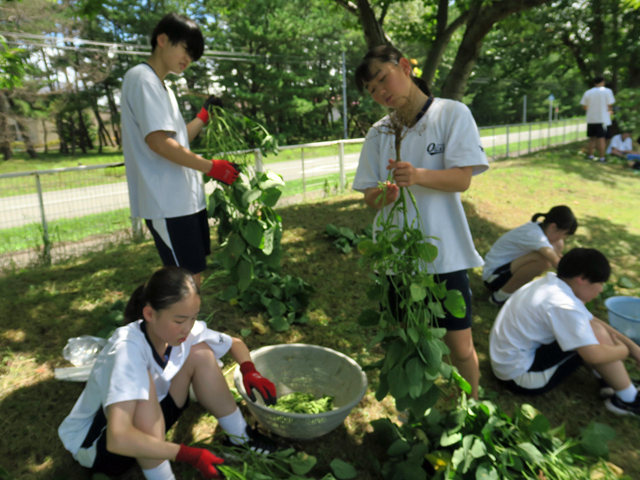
column 47, row 215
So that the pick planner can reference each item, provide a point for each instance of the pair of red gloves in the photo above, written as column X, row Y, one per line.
column 203, row 459
column 226, row 172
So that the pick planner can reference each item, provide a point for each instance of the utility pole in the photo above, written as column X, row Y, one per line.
column 344, row 93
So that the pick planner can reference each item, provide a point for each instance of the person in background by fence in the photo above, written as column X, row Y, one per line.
column 527, row 251
column 163, row 175
column 597, row 101
column 545, row 332
column 622, row 146
column 441, row 151
column 139, row 386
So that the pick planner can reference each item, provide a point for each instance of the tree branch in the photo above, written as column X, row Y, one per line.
column 348, row 6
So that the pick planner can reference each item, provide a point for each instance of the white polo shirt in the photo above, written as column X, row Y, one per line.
column 514, row 244
column 618, row 143
column 539, row 313
column 158, row 188
column 120, row 374
column 445, row 137
column 597, row 101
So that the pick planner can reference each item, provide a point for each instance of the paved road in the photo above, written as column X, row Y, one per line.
column 77, row 202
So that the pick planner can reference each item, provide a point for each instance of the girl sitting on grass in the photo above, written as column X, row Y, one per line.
column 525, row 252
column 139, row 386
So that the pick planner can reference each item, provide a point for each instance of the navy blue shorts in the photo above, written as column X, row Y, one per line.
column 596, row 130
column 548, row 356
column 183, row 241
column 454, row 281
column 112, row 463
column 503, row 276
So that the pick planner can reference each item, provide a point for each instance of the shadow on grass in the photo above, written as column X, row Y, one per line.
column 42, row 308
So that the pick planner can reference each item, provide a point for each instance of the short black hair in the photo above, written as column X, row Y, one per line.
column 585, row 262
column 384, row 54
column 180, row 29
column 598, row 79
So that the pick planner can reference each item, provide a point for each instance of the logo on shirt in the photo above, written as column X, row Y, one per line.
column 434, row 149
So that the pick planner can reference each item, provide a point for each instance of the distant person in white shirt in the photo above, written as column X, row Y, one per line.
column 622, row 146
column 597, row 101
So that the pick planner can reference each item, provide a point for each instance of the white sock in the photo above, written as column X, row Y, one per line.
column 602, row 159
column 590, row 157
column 235, row 426
column 501, row 296
column 628, row 395
column 161, row 472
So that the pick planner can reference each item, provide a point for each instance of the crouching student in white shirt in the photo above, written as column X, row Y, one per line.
column 544, row 333
column 139, row 386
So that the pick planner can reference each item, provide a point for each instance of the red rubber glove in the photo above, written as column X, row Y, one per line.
column 226, row 172
column 201, row 459
column 204, row 112
column 252, row 379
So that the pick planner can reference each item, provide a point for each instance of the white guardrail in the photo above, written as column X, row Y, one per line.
column 62, row 207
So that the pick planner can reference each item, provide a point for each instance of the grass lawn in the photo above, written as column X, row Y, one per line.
column 43, row 307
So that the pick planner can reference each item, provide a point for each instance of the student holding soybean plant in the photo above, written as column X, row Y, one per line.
column 430, row 148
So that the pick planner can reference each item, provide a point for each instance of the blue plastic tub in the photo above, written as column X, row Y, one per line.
column 624, row 315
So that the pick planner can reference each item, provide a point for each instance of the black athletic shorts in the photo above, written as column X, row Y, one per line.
column 503, row 276
column 454, row 281
column 112, row 463
column 548, row 356
column 183, row 241
column 596, row 130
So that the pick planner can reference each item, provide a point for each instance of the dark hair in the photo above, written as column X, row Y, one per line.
column 586, row 262
column 384, row 54
column 597, row 80
column 167, row 286
column 180, row 29
column 562, row 216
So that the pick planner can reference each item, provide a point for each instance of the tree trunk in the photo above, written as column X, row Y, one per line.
column 480, row 22
column 26, row 138
column 372, row 28
column 115, row 117
column 5, row 137
column 443, row 37
column 84, row 132
column 64, row 148
column 44, row 131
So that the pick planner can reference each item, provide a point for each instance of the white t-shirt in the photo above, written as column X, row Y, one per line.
column 618, row 143
column 158, row 188
column 120, row 374
column 539, row 313
column 445, row 137
column 597, row 101
column 514, row 244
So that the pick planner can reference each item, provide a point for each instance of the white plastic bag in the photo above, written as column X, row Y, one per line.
column 81, row 351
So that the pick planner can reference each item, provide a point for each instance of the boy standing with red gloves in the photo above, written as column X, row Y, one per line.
column 163, row 174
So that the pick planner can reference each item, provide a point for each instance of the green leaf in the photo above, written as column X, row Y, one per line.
column 446, row 439
column 270, row 197
column 347, row 232
column 276, row 308
column 399, row 447
column 418, row 292
column 462, row 383
column 486, row 471
column 279, row 324
column 342, row 470
column 253, row 233
column 625, row 282
column 455, row 303
column 478, row 449
column 414, row 370
column 369, row 318
column 302, row 463
column 594, row 439
column 245, row 274
column 269, row 180
column 245, row 332
column 332, row 230
column 251, row 196
column 530, row 453
column 367, row 247
column 540, row 424
column 398, row 382
column 428, row 252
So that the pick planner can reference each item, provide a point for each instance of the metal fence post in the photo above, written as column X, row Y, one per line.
column 495, row 154
column 304, row 182
column 46, row 247
column 530, row 127
column 507, row 141
column 341, row 160
column 258, row 160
